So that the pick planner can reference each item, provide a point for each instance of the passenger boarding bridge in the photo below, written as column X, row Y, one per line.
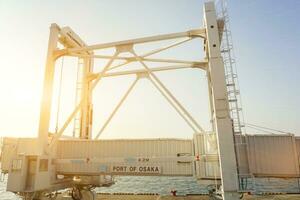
column 38, row 167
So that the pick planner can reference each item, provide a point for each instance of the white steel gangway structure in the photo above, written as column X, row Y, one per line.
column 38, row 167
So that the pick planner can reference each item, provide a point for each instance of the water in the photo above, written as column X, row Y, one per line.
column 183, row 185
column 160, row 185
column 129, row 184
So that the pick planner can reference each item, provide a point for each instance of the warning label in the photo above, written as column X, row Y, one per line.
column 136, row 169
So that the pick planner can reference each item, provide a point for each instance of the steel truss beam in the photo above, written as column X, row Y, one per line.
column 153, row 52
column 152, row 77
column 200, row 64
column 191, row 34
column 143, row 57
column 143, row 71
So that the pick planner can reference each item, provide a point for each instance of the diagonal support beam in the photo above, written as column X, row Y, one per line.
column 61, row 130
column 167, row 92
column 173, row 105
column 78, row 107
column 117, row 107
column 107, row 66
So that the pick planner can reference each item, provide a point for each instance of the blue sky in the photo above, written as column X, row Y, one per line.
column 266, row 36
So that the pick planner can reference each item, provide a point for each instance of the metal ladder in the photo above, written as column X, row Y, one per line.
column 78, row 95
column 233, row 91
column 232, row 83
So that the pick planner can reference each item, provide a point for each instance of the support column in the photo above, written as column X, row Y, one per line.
column 87, row 107
column 220, row 107
column 45, row 111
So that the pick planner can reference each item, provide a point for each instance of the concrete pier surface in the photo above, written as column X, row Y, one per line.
column 188, row 197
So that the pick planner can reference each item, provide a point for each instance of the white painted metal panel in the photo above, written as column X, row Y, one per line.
column 241, row 155
column 272, row 155
column 16, row 146
column 7, row 152
column 207, row 166
column 264, row 155
column 297, row 140
column 97, row 157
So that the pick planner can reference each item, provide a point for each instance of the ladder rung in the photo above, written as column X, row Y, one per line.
column 225, row 50
column 233, row 91
column 232, row 100
column 236, row 109
column 231, row 75
column 230, row 84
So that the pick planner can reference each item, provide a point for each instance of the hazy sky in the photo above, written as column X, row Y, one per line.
column 266, row 37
